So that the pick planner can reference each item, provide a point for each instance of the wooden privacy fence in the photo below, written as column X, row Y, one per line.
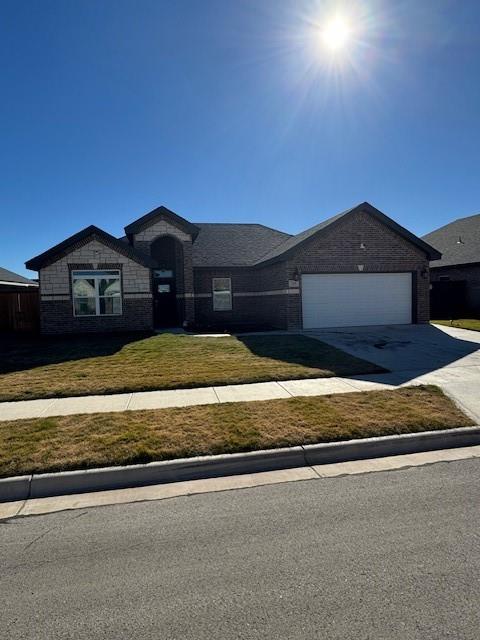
column 19, row 311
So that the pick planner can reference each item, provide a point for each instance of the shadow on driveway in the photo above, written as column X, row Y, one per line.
column 409, row 351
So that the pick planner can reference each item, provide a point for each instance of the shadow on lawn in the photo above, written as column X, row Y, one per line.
column 308, row 352
column 18, row 352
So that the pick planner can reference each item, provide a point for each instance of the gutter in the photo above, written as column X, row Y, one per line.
column 121, row 477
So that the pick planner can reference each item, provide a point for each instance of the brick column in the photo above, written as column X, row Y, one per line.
column 189, row 301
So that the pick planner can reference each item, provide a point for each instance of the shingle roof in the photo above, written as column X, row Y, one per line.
column 283, row 250
column 63, row 248
column 234, row 245
column 225, row 244
column 15, row 278
column 458, row 241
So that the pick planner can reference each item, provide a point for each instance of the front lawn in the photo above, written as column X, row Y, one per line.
column 464, row 323
column 99, row 364
column 103, row 439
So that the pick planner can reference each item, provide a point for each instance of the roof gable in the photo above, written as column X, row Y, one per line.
column 284, row 250
column 158, row 214
column 82, row 237
column 459, row 241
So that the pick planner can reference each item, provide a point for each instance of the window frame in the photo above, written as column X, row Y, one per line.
column 96, row 277
column 222, row 292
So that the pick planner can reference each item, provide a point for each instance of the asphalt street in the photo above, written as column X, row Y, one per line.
column 392, row 555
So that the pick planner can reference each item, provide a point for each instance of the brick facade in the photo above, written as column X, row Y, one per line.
column 469, row 273
column 267, row 294
column 56, row 305
column 336, row 251
column 144, row 239
column 57, row 317
column 258, row 296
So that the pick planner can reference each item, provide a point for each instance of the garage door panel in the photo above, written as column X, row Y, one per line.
column 342, row 300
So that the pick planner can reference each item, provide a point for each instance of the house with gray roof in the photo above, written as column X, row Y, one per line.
column 358, row 267
column 10, row 281
column 456, row 276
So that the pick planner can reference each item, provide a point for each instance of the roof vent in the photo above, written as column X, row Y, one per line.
column 460, row 241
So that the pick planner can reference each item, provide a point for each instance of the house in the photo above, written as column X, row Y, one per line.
column 18, row 302
column 13, row 282
column 456, row 277
column 356, row 268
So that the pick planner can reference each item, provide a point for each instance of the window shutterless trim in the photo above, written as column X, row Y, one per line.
column 96, row 276
column 223, row 292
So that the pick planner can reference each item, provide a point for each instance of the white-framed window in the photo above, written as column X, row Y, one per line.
column 222, row 294
column 96, row 293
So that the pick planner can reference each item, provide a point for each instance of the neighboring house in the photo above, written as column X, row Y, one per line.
column 357, row 268
column 10, row 281
column 456, row 277
column 18, row 302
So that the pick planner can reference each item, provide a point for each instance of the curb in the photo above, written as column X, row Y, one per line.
column 84, row 481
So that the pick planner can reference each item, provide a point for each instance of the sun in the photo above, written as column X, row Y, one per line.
column 336, row 34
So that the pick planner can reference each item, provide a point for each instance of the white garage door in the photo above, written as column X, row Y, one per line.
column 356, row 299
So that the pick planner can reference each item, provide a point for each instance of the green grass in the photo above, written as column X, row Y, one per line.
column 103, row 439
column 464, row 323
column 85, row 365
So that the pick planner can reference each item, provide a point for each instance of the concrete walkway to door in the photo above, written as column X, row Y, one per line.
column 447, row 357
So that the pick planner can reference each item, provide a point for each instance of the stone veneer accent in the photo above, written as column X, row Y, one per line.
column 56, row 306
column 184, row 277
column 143, row 239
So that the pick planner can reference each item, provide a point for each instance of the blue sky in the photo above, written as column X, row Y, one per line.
column 232, row 110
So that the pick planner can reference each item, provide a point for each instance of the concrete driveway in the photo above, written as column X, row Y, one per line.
column 423, row 354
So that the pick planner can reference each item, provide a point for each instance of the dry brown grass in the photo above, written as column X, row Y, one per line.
column 95, row 440
column 464, row 323
column 85, row 365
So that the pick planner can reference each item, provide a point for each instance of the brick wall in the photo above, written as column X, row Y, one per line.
column 338, row 251
column 470, row 274
column 56, row 307
column 143, row 241
column 268, row 295
column 335, row 251
column 258, row 296
column 57, row 317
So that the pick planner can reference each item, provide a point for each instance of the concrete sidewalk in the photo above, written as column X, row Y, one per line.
column 453, row 380
column 415, row 354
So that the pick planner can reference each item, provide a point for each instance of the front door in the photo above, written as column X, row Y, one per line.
column 164, row 301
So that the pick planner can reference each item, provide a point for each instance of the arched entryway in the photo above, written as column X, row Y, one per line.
column 167, row 251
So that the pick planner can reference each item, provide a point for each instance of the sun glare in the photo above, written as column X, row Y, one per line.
column 336, row 34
